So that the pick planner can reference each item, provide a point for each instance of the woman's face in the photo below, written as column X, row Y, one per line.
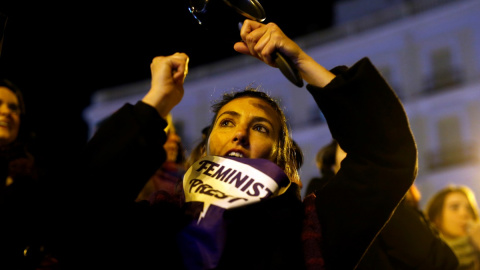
column 245, row 127
column 9, row 116
column 171, row 145
column 456, row 215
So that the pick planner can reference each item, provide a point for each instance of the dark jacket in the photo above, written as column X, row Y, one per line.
column 316, row 183
column 408, row 241
column 363, row 114
column 369, row 122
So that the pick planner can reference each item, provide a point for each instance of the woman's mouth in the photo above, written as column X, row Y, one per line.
column 235, row 154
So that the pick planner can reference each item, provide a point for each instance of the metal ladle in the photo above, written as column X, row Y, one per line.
column 215, row 13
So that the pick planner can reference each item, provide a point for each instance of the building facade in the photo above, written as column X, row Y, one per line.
column 429, row 51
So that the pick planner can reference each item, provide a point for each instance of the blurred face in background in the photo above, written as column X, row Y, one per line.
column 456, row 216
column 172, row 145
column 9, row 116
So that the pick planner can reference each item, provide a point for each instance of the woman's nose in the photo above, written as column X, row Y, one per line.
column 465, row 211
column 241, row 135
column 4, row 109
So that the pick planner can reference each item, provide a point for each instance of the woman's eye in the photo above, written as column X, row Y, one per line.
column 261, row 129
column 454, row 207
column 14, row 108
column 226, row 123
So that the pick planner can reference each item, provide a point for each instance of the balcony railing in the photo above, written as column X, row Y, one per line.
column 381, row 17
column 452, row 155
column 442, row 80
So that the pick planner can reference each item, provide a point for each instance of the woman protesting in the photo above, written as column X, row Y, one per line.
column 242, row 208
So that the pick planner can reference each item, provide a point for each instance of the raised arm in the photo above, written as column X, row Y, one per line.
column 128, row 146
column 368, row 120
column 105, row 180
column 168, row 74
column 261, row 40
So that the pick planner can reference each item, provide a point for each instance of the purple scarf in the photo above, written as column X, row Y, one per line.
column 214, row 184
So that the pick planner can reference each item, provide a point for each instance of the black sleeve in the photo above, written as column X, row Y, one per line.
column 101, row 222
column 124, row 152
column 408, row 241
column 369, row 122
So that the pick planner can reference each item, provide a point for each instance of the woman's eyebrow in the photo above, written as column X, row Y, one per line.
column 262, row 119
column 236, row 114
column 231, row 113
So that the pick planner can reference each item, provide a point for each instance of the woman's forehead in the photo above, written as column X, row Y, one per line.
column 7, row 92
column 241, row 103
column 251, row 105
column 455, row 196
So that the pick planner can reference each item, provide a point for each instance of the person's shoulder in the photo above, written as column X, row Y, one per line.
column 315, row 184
column 317, row 181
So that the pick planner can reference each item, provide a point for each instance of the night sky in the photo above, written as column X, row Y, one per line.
column 58, row 54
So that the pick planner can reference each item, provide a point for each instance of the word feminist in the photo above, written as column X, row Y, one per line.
column 241, row 181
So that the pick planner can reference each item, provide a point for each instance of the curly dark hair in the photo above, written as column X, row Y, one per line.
column 14, row 88
column 327, row 157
